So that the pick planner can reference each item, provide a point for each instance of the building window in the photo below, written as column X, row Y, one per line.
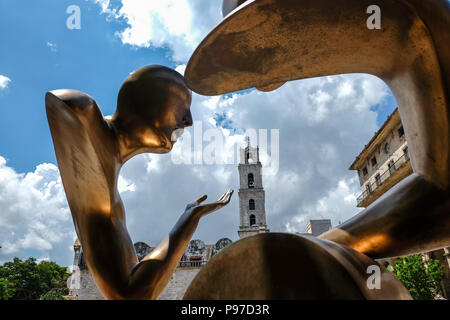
column 251, row 204
column 387, row 148
column 374, row 161
column 406, row 151
column 401, row 132
column 252, row 219
column 391, row 167
column 251, row 181
column 364, row 171
column 368, row 188
column 378, row 179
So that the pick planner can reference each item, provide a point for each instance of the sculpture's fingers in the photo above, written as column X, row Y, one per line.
column 201, row 199
column 222, row 197
column 227, row 196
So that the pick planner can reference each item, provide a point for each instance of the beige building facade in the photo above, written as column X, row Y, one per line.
column 383, row 163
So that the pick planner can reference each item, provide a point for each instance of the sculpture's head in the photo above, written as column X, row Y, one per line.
column 153, row 105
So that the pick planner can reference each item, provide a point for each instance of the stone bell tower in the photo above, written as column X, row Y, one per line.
column 251, row 193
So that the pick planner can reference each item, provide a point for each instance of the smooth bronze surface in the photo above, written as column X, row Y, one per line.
column 153, row 103
column 264, row 43
column 288, row 266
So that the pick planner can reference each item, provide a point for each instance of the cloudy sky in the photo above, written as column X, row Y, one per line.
column 322, row 124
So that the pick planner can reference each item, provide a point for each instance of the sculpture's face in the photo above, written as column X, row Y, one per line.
column 153, row 108
column 173, row 117
column 157, row 129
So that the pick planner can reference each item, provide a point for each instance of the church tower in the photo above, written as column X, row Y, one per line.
column 251, row 193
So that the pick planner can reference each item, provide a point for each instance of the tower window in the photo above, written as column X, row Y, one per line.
column 251, row 180
column 374, row 161
column 251, row 204
column 252, row 219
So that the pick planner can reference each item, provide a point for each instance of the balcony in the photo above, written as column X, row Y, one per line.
column 386, row 180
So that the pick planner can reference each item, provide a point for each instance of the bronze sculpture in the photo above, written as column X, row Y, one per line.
column 273, row 266
column 269, row 42
column 153, row 103
column 262, row 44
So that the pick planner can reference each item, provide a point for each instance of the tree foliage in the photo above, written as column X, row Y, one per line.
column 28, row 280
column 423, row 282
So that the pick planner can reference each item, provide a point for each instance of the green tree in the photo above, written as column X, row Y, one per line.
column 6, row 289
column 54, row 294
column 28, row 280
column 423, row 282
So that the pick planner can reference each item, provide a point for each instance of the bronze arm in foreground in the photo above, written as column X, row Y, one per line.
column 269, row 42
column 153, row 104
column 412, row 217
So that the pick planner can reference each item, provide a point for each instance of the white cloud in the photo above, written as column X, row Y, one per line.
column 181, row 68
column 53, row 47
column 124, row 185
column 35, row 219
column 4, row 81
column 313, row 180
column 177, row 24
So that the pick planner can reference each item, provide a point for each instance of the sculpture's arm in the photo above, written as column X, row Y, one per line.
column 412, row 217
column 149, row 277
column 78, row 129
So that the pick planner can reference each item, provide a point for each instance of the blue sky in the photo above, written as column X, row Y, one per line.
column 92, row 60
column 322, row 126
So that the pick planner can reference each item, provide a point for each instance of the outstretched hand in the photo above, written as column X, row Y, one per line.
column 200, row 210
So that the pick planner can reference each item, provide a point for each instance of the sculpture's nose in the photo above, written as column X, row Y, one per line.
column 187, row 120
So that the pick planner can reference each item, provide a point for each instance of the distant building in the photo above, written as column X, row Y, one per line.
column 383, row 163
column 317, row 227
column 197, row 254
column 252, row 197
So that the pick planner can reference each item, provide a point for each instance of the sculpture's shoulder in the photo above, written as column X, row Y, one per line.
column 80, row 103
column 84, row 150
